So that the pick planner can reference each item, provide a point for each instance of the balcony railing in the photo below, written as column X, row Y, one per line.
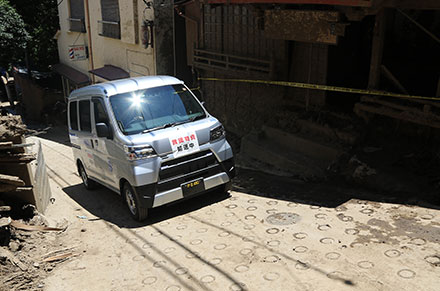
column 77, row 24
column 109, row 29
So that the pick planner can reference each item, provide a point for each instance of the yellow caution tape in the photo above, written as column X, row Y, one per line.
column 324, row 88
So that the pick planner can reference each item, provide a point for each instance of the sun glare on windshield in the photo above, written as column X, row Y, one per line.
column 136, row 100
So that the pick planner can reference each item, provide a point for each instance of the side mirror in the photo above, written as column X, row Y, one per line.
column 103, row 130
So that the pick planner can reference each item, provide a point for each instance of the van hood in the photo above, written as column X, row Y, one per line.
column 161, row 140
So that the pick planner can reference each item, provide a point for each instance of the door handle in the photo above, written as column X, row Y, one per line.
column 96, row 142
column 91, row 141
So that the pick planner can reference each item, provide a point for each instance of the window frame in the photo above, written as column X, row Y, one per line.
column 79, row 115
column 73, row 19
column 76, row 115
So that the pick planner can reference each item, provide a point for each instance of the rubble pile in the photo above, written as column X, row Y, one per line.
column 24, row 235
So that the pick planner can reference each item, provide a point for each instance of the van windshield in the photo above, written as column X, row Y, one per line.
column 155, row 108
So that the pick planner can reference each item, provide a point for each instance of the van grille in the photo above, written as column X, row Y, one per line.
column 178, row 171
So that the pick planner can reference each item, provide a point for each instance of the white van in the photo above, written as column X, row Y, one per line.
column 149, row 139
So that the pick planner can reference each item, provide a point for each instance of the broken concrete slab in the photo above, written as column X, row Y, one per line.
column 323, row 153
column 271, row 153
column 292, row 153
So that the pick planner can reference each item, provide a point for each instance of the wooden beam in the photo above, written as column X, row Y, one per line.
column 393, row 79
column 438, row 88
column 377, row 49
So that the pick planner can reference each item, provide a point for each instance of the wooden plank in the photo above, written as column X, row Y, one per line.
column 387, row 73
column 5, row 208
column 398, row 106
column 7, row 188
column 17, row 158
column 377, row 49
column 5, row 145
column 386, row 111
column 12, row 180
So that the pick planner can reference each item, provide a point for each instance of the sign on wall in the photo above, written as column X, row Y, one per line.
column 77, row 52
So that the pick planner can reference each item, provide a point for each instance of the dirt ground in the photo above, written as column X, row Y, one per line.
column 269, row 233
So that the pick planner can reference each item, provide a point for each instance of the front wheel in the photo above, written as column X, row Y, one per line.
column 87, row 182
column 131, row 198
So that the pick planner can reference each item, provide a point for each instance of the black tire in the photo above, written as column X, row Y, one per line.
column 227, row 188
column 88, row 183
column 131, row 199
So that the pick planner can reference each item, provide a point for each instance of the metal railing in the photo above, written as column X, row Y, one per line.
column 215, row 61
column 109, row 29
column 77, row 24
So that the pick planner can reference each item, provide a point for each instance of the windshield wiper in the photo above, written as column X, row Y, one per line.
column 159, row 127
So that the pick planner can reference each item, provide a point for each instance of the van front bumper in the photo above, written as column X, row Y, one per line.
column 151, row 200
column 154, row 195
column 177, row 193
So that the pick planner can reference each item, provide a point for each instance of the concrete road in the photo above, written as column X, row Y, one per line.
column 239, row 242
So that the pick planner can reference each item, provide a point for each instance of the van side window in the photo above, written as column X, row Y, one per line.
column 84, row 115
column 73, row 116
column 100, row 114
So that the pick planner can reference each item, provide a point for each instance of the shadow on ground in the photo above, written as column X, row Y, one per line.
column 330, row 193
column 109, row 206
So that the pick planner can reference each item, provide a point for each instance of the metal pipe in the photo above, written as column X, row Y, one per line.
column 92, row 66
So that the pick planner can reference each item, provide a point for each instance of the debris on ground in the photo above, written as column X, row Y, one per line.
column 24, row 233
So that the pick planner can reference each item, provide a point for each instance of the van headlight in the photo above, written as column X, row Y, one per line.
column 139, row 152
column 217, row 133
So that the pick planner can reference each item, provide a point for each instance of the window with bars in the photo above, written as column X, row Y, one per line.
column 76, row 20
column 109, row 26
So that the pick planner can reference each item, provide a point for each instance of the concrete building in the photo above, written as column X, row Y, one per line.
column 112, row 39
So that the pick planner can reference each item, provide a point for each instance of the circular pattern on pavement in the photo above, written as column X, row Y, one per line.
column 173, row 288
column 351, row 231
column 272, row 230
column 302, row 266
column 392, row 253
column 283, row 218
column 417, row 241
column 224, row 234
column 250, row 217
column 324, row 227
column 195, row 242
column 220, row 246
column 241, row 268
column 367, row 211
column 159, row 264
column 433, row 260
column 251, row 208
column 320, row 216
column 406, row 273
column 300, row 249
column 216, row 261
column 149, row 280
column 333, row 255
column 271, row 259
column 300, row 235
column 271, row 276
column 245, row 252
column 365, row 264
column 181, row 271
column 327, row 240
column 207, row 279
column 238, row 287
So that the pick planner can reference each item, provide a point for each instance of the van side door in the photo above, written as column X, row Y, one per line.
column 85, row 137
column 104, row 146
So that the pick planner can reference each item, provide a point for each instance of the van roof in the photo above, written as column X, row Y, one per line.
column 125, row 85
